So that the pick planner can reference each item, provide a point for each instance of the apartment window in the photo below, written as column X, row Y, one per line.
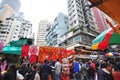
column 65, row 22
column 76, row 39
column 91, row 18
column 81, row 17
column 80, row 21
column 73, row 11
column 92, row 27
column 92, row 23
column 69, row 41
column 77, row 2
column 71, row 24
column 86, row 39
column 78, row 10
column 72, row 2
column 75, row 21
column 73, row 6
column 65, row 18
column 73, row 15
column 55, row 19
column 70, row 14
column 3, row 32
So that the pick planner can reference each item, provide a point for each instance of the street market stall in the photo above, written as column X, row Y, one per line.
column 36, row 53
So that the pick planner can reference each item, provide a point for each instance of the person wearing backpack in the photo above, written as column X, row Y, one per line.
column 34, row 74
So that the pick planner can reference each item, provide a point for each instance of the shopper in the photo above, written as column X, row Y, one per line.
column 106, row 73
column 11, row 73
column 45, row 70
column 57, row 69
column 77, row 69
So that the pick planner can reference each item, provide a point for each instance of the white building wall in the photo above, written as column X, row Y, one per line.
column 77, row 14
column 13, row 29
column 43, row 26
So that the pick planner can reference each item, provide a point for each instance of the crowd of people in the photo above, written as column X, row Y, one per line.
column 75, row 69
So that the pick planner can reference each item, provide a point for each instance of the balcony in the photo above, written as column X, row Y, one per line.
column 66, row 36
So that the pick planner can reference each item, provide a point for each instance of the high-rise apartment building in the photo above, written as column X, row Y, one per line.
column 58, row 28
column 14, row 28
column 100, row 19
column 5, row 12
column 43, row 26
column 79, row 15
column 15, row 4
column 82, row 25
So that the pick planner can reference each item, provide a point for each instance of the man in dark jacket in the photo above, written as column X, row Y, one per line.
column 45, row 70
column 91, row 73
column 105, row 73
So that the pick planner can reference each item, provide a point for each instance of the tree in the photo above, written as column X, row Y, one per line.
column 81, row 27
column 72, row 30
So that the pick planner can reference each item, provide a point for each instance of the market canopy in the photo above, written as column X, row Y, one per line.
column 21, row 42
column 12, row 50
column 110, row 7
column 106, row 38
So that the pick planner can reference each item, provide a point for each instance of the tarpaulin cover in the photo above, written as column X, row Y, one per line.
column 12, row 50
column 19, row 42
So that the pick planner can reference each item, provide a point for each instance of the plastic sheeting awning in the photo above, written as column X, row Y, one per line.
column 11, row 50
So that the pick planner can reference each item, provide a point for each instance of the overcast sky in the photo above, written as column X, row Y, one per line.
column 36, row 10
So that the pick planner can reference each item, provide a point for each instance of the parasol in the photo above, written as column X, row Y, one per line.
column 110, row 54
column 106, row 38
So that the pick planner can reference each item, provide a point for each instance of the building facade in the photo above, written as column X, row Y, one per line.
column 15, row 4
column 82, row 25
column 100, row 19
column 43, row 26
column 14, row 28
column 58, row 28
column 5, row 12
column 79, row 15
